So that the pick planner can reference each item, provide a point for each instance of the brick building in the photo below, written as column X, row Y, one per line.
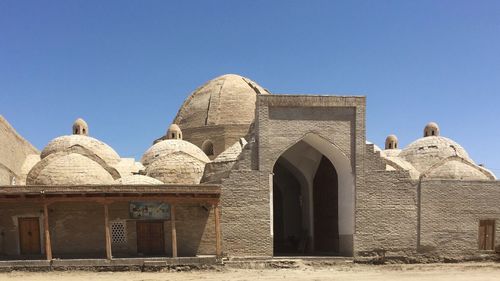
column 242, row 172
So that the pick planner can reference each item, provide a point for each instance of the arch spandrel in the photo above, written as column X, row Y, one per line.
column 332, row 151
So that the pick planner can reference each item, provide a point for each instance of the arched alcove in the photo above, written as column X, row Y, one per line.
column 208, row 148
column 313, row 199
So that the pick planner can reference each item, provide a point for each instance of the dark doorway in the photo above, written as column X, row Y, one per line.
column 289, row 233
column 305, row 203
column 29, row 236
column 325, row 194
column 150, row 238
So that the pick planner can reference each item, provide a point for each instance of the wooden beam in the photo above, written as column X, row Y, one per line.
column 101, row 200
column 174, row 231
column 109, row 254
column 218, row 241
column 48, row 245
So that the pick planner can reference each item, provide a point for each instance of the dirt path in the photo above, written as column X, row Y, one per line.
column 433, row 272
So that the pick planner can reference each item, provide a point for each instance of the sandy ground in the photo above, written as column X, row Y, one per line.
column 434, row 272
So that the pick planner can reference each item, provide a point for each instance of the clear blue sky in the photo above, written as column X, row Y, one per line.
column 127, row 66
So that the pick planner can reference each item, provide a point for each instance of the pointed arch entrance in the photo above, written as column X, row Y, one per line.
column 313, row 199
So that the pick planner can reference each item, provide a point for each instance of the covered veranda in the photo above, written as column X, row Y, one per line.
column 48, row 198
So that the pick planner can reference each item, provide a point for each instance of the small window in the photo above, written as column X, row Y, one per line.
column 118, row 233
column 173, row 135
column 83, row 130
column 486, row 234
column 208, row 148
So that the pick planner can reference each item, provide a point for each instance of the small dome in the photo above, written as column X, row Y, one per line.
column 29, row 163
column 174, row 132
column 70, row 169
column 458, row 170
column 167, row 147
column 128, row 167
column 391, row 142
column 101, row 149
column 137, row 179
column 175, row 161
column 177, row 168
column 431, row 129
column 225, row 100
column 80, row 127
column 428, row 151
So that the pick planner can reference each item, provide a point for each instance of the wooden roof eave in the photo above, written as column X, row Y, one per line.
column 208, row 193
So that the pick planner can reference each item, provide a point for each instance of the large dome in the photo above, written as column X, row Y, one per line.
column 102, row 150
column 225, row 100
column 69, row 169
column 428, row 151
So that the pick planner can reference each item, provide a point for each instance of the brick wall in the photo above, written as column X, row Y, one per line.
column 386, row 210
column 13, row 152
column 77, row 229
column 222, row 136
column 450, row 215
column 246, row 214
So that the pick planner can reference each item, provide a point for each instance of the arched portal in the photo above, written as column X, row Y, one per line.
column 313, row 200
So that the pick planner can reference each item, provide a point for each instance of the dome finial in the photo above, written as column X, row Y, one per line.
column 80, row 127
column 431, row 130
column 391, row 142
column 174, row 132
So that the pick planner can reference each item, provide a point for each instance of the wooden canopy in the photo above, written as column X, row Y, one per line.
column 107, row 194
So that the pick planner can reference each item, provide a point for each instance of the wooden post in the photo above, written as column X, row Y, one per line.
column 218, row 244
column 174, row 231
column 48, row 245
column 109, row 254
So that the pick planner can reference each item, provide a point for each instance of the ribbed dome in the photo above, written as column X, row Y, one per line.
column 166, row 147
column 426, row 152
column 102, row 150
column 177, row 168
column 70, row 169
column 228, row 99
column 137, row 179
